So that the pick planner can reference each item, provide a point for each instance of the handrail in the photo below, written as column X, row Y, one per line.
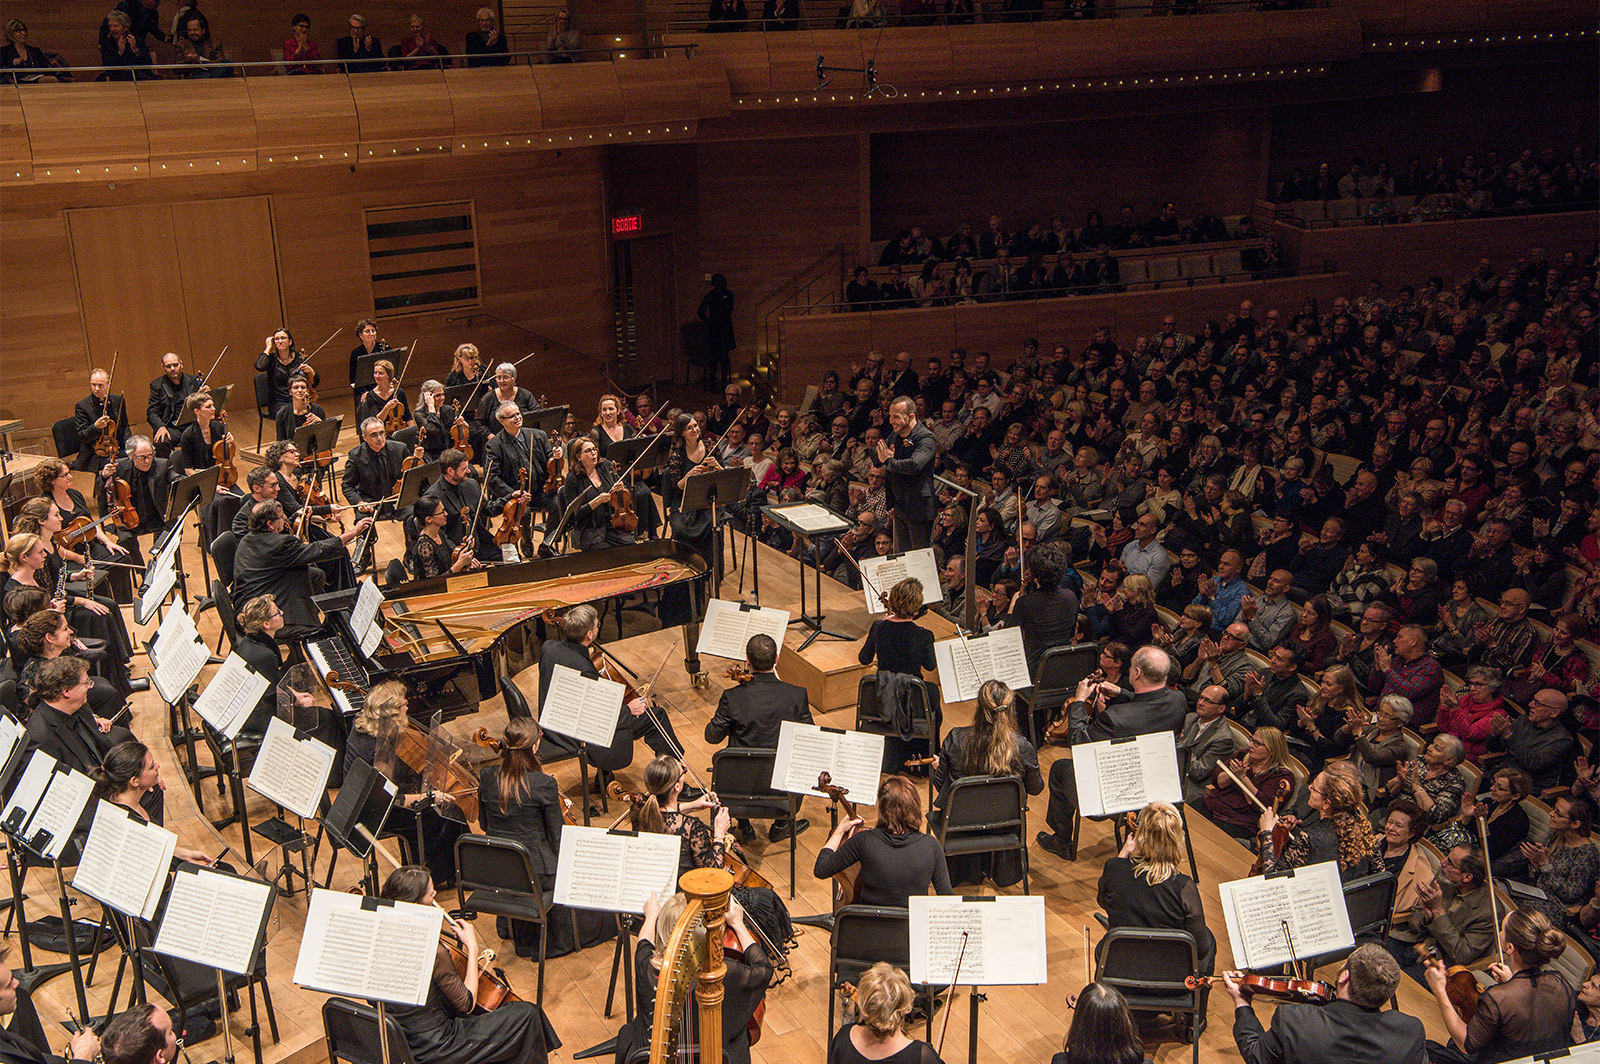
column 798, row 288
column 338, row 65
column 547, row 343
column 1418, row 211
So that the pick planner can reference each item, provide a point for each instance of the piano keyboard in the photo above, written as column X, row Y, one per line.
column 332, row 655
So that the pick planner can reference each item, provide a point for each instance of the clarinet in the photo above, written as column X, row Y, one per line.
column 61, row 583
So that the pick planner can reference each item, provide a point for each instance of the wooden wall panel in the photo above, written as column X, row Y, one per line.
column 109, row 248
column 491, row 103
column 43, row 357
column 403, row 113
column 207, row 126
column 71, row 132
column 16, row 156
column 744, row 56
column 793, row 59
column 662, row 89
column 310, row 117
column 916, row 57
column 579, row 95
column 1075, row 49
column 228, row 263
column 1008, row 47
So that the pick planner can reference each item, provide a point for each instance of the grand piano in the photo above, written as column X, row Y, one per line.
column 448, row 638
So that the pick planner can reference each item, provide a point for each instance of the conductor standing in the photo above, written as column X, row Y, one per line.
column 908, row 461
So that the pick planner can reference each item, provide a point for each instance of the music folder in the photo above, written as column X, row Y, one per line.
column 415, row 481
column 215, row 918
column 368, row 947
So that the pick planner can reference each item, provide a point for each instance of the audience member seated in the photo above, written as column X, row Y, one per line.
column 22, row 63
column 486, row 45
column 300, row 52
column 418, row 50
column 360, row 45
column 121, row 49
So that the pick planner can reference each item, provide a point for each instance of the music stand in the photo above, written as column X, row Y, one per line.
column 460, row 394
column 707, row 491
column 814, row 535
column 311, row 440
column 548, row 419
column 647, row 452
column 198, row 486
column 972, row 546
column 414, row 482
column 219, row 396
column 395, row 356
column 364, row 801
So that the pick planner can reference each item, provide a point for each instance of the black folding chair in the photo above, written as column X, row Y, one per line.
column 1149, row 966
column 549, row 753
column 351, row 1030
column 1057, row 680
column 742, row 780
column 863, row 935
column 496, row 876
column 986, row 814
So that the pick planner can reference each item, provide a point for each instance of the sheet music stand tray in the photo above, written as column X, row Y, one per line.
column 458, row 394
column 311, row 440
column 551, row 418
column 625, row 453
column 415, row 481
column 364, row 364
column 30, row 976
column 361, row 802
column 711, row 491
column 812, row 622
column 219, row 396
column 200, row 485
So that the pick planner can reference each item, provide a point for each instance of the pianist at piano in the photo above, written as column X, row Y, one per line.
column 271, row 561
column 260, row 621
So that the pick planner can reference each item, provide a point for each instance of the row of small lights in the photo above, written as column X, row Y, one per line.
column 1504, row 38
column 1091, row 83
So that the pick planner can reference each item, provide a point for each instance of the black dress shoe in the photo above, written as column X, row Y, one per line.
column 782, row 829
column 141, row 684
column 1051, row 843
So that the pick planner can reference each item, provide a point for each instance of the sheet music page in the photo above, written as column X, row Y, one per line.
column 234, row 690
column 853, row 759
column 885, row 572
column 965, row 664
column 727, row 628
column 26, row 794
column 1312, row 900
column 1005, row 943
column 125, row 862
column 383, row 953
column 180, row 653
column 614, row 871
column 810, row 517
column 213, row 919
column 160, row 578
column 59, row 811
column 291, row 772
column 11, row 733
column 585, row 709
column 1116, row 775
column 364, row 617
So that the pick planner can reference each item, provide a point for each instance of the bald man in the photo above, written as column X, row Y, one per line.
column 1539, row 744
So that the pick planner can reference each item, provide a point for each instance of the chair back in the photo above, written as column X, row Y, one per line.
column 351, row 1029
column 516, row 701
column 742, row 779
column 224, row 603
column 1538, row 820
column 863, row 935
column 223, row 548
column 1370, row 902
column 1147, row 963
column 1060, row 670
column 872, row 717
column 11, row 700
column 985, row 809
column 263, row 393
column 488, row 862
column 65, row 435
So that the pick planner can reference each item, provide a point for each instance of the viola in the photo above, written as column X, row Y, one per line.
column 1280, row 832
column 461, row 434
column 1060, row 727
column 1302, row 991
column 552, row 470
column 393, row 416
column 623, row 518
column 1460, row 984
column 738, row 673
column 846, row 884
column 80, row 530
column 407, row 464
column 225, row 451
column 315, row 496
column 127, row 512
column 511, row 515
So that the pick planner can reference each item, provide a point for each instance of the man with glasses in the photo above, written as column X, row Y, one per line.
column 63, row 726
column 519, row 458
column 1452, row 915
column 1539, row 744
column 373, row 469
column 1206, row 739
column 1223, row 662
column 271, row 561
column 1506, row 643
column 148, row 478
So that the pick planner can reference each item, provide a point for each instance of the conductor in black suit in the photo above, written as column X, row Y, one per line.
column 373, row 469
column 908, row 461
column 580, row 627
column 752, row 713
column 1355, row 1029
column 270, row 561
column 90, row 409
column 1150, row 706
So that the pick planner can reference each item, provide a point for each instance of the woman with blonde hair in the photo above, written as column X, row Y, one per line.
column 1320, row 729
column 32, row 561
column 385, row 388
column 883, row 1001
column 1132, row 610
column 1264, row 768
column 992, row 746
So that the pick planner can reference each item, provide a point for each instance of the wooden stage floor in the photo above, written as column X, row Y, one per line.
column 1016, row 1023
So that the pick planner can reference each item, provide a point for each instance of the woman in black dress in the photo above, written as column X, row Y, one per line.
column 434, row 419
column 904, row 649
column 300, row 412
column 95, row 615
column 610, row 427
column 689, row 455
column 892, row 861
column 433, row 553
column 46, row 635
column 367, row 333
column 1338, row 828
column 883, row 1001
column 589, row 491
column 203, row 433
column 445, row 1029
column 990, row 747
column 518, row 800
column 385, row 389
column 53, row 479
column 280, row 360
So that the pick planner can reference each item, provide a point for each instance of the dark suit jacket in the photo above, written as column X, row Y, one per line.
column 510, row 457
column 165, row 402
column 1200, row 747
column 1341, row 1032
column 278, row 564
column 84, row 415
column 910, row 474
column 15, row 1048
column 261, row 654
column 1130, row 714
column 72, row 739
column 750, row 714
column 152, row 485
column 370, row 476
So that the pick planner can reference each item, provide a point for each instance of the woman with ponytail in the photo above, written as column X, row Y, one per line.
column 125, row 775
column 992, row 746
column 1529, row 1010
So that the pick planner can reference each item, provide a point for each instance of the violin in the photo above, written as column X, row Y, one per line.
column 1302, row 991
column 1460, row 984
column 127, row 513
column 407, row 464
column 80, row 530
column 512, row 514
column 1280, row 833
column 1058, row 729
column 846, row 884
column 922, row 762
column 738, row 673
column 552, row 470
column 623, row 517
column 569, row 812
column 315, row 496
column 393, row 416
column 106, row 424
column 225, row 451
column 461, row 433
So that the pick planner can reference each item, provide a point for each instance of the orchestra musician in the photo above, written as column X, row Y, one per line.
column 301, row 411
column 283, row 458
column 124, row 777
column 373, row 470
column 434, row 419
column 148, row 478
column 1264, row 766
column 141, row 1035
column 201, row 435
column 385, row 388
column 689, row 456
column 518, row 800
column 908, row 460
column 1353, row 1029
column 271, row 561
column 432, row 554
column 520, row 457
column 63, row 726
column 505, row 390
column 165, row 403
column 579, row 628
column 990, row 747
column 883, row 1004
column 266, row 484
column 19, row 1045
column 589, row 494
column 45, row 636
column 1336, row 830
column 610, row 427
column 92, row 614
column 91, row 408
column 744, row 984
column 1147, row 705
column 466, row 367
column 445, row 1029
column 260, row 621
column 897, row 858
column 750, row 715
column 370, row 344
column 53, row 480
column 280, row 359
column 458, row 492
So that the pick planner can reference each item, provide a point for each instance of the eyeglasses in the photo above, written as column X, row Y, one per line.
column 1546, row 705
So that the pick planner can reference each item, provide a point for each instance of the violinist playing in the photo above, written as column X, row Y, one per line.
column 1527, row 1012
column 663, row 813
column 460, row 495
column 98, row 413
column 750, row 715
column 744, row 984
column 883, row 1001
column 518, row 800
column 300, row 412
column 147, row 479
column 593, row 496
column 196, row 447
column 296, row 485
column 386, row 399
column 505, row 390
column 1355, row 1028
column 445, row 1029
column 1336, row 830
column 520, row 456
column 52, row 478
column 432, row 554
column 95, row 615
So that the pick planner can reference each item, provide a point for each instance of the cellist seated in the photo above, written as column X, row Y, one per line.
column 749, row 973
column 896, row 859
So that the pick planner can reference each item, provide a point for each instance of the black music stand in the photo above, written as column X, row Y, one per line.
column 317, row 438
column 460, row 394
column 197, row 489
column 5, row 489
column 415, row 481
column 361, row 802
column 219, row 396
column 843, row 524
column 364, row 363
column 548, row 419
column 649, row 452
column 711, row 491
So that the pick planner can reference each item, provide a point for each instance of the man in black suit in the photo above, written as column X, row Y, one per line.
column 271, row 561
column 149, row 479
column 459, row 492
column 752, row 713
column 909, row 464
column 373, row 469
column 514, row 451
column 63, row 726
column 1149, row 707
column 90, row 409
column 22, row 1039
column 580, row 627
column 1354, row 1029
column 165, row 404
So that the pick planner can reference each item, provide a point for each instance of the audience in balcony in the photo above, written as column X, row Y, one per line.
column 300, row 52
column 121, row 48
column 22, row 62
column 564, row 43
column 196, row 49
column 486, row 45
column 360, row 45
column 418, row 49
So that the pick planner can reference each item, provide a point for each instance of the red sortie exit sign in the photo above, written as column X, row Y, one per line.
column 627, row 223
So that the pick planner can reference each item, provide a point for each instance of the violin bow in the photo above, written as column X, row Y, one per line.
column 955, row 977
column 865, row 579
column 483, row 493
column 401, row 376
column 1494, row 904
column 320, row 346
column 205, row 378
column 1294, row 958
column 1223, row 765
column 647, row 693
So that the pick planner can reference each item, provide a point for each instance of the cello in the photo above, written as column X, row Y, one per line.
column 846, row 884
